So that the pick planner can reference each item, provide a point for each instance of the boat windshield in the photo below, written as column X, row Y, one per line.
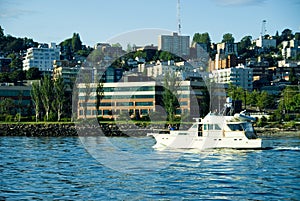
column 249, row 130
column 248, row 127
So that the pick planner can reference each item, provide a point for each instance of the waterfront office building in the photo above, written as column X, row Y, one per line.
column 139, row 99
column 20, row 97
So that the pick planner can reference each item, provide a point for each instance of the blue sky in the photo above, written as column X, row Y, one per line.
column 103, row 20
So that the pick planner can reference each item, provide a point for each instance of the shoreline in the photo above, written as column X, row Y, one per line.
column 69, row 129
column 264, row 132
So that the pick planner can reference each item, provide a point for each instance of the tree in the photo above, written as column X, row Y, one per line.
column 99, row 94
column 20, row 98
column 76, row 42
column 252, row 98
column 4, row 77
column 286, row 35
column 33, row 74
column 202, row 38
column 170, row 95
column 35, row 96
column 293, row 77
column 96, row 56
column 116, row 45
column 6, row 106
column 1, row 32
column 297, row 36
column 244, row 45
column 17, row 75
column 263, row 100
column 66, row 49
column 59, row 92
column 228, row 38
column 166, row 56
column 86, row 79
column 10, row 44
column 129, row 48
column 46, row 94
column 140, row 54
column 236, row 93
column 290, row 94
column 16, row 63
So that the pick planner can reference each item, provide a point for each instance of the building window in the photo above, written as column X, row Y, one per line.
column 144, row 112
column 144, row 104
column 107, row 104
column 88, row 112
column 124, row 103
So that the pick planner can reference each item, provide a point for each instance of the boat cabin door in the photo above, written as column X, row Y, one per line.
column 200, row 130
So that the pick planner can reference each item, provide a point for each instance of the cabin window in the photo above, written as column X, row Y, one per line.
column 212, row 127
column 217, row 127
column 195, row 126
column 235, row 127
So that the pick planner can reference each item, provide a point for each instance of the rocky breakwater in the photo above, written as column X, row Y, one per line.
column 69, row 129
column 38, row 130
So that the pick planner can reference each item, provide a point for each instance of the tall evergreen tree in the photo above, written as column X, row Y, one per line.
column 59, row 92
column 99, row 94
column 35, row 95
column 76, row 42
column 293, row 77
column 47, row 94
column 244, row 45
column 170, row 95
column 202, row 38
column 228, row 38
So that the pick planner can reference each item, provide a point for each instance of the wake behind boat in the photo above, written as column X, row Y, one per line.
column 214, row 131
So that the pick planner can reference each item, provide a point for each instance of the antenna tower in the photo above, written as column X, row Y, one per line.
column 178, row 17
column 263, row 28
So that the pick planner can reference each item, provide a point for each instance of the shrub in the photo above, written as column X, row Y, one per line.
column 65, row 119
column 262, row 121
column 290, row 124
column 8, row 118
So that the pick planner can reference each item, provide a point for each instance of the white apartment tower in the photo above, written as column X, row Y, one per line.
column 240, row 76
column 176, row 44
column 41, row 57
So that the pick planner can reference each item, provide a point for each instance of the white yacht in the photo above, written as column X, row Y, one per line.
column 214, row 131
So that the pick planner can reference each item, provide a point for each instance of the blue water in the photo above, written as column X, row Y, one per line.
column 64, row 169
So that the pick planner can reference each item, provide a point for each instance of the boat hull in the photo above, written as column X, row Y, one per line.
column 201, row 143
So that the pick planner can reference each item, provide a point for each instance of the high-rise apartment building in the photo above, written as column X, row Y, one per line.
column 41, row 57
column 240, row 76
column 176, row 44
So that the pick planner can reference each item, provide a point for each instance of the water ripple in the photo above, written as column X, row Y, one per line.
column 61, row 169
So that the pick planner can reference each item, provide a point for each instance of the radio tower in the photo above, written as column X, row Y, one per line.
column 178, row 17
column 263, row 28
